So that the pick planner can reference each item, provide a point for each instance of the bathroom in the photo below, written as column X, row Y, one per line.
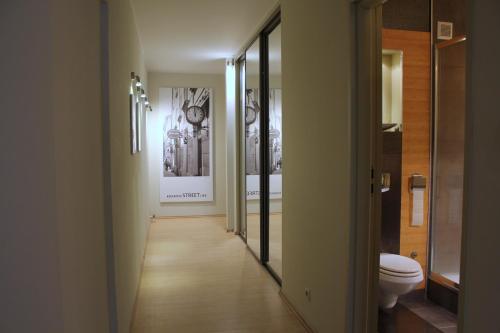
column 423, row 108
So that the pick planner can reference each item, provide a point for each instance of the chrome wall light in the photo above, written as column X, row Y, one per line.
column 136, row 81
column 139, row 103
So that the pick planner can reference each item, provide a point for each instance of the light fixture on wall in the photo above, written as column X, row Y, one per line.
column 136, row 82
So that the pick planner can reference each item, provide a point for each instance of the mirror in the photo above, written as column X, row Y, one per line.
column 252, row 147
column 392, row 90
column 392, row 149
column 275, row 152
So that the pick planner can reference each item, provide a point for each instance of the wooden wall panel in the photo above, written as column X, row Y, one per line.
column 416, row 131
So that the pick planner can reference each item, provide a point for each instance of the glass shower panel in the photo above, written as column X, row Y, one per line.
column 448, row 162
column 252, row 147
column 275, row 148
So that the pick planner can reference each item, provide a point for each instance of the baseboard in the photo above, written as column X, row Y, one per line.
column 134, row 307
column 296, row 313
column 185, row 216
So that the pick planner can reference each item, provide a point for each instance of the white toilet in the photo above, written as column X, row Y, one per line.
column 398, row 275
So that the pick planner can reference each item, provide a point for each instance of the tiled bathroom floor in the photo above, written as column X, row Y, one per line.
column 401, row 320
column 435, row 315
column 414, row 314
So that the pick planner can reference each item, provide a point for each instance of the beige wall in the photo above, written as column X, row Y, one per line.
column 129, row 173
column 77, row 130
column 155, row 137
column 53, row 252
column 28, row 204
column 317, row 159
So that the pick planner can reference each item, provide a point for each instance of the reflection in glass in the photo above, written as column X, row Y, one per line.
column 392, row 89
column 275, row 149
column 252, row 147
column 449, row 162
column 392, row 149
column 242, row 103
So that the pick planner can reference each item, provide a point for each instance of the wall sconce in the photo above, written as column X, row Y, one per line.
column 136, row 81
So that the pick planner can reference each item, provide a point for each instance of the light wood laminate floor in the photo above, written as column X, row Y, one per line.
column 199, row 278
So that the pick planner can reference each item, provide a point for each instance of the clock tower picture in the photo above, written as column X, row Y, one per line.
column 187, row 144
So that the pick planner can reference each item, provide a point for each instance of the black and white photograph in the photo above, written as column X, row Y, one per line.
column 186, row 173
column 186, row 134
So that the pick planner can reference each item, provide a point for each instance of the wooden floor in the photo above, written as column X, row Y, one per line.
column 199, row 278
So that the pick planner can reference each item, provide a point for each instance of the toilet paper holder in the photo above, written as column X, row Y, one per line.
column 417, row 181
column 417, row 189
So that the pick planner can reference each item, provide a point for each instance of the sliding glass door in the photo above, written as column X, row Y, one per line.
column 275, row 138
column 261, row 147
column 252, row 137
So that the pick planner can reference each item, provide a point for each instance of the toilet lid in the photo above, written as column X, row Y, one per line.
column 398, row 264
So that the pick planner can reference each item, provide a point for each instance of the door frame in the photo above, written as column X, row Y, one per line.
column 366, row 157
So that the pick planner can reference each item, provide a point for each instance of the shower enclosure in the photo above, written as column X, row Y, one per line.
column 448, row 171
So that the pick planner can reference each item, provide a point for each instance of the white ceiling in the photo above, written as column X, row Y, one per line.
column 196, row 36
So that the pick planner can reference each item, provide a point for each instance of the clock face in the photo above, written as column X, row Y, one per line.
column 250, row 115
column 195, row 115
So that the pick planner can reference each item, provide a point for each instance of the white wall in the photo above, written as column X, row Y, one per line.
column 129, row 173
column 480, row 269
column 155, row 137
column 316, row 55
column 53, row 253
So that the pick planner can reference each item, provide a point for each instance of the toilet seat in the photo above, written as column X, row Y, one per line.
column 399, row 266
column 402, row 275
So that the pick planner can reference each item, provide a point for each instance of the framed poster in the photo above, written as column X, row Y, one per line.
column 187, row 149
column 134, row 102
column 139, row 116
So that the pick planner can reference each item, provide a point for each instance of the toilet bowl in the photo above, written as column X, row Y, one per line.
column 398, row 275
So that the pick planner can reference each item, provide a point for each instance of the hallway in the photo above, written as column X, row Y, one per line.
column 199, row 278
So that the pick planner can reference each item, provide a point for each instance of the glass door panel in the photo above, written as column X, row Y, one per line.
column 275, row 149
column 448, row 162
column 252, row 147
